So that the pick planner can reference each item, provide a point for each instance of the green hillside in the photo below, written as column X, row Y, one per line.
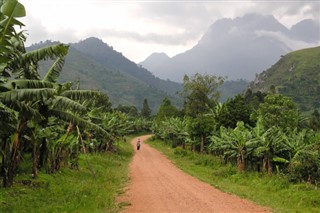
column 105, row 55
column 296, row 75
column 121, row 87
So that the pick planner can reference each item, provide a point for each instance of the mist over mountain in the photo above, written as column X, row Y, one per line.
column 238, row 48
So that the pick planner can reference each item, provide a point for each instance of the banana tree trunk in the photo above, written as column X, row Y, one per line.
column 5, row 160
column 110, row 147
column 241, row 164
column 264, row 164
column 43, row 153
column 35, row 160
column 269, row 166
column 202, row 144
column 15, row 154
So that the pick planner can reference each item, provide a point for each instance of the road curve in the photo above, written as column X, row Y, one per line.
column 156, row 185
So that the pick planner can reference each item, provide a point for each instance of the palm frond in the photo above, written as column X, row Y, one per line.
column 69, row 117
column 60, row 102
column 24, row 109
column 55, row 70
column 80, row 94
column 27, row 95
column 33, row 57
column 27, row 84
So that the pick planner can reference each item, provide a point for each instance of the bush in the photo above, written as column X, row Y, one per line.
column 181, row 152
column 225, row 171
column 305, row 168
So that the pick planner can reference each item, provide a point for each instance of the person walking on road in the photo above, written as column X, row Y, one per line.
column 138, row 144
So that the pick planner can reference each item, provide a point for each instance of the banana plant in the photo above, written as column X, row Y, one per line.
column 267, row 143
column 304, row 158
column 117, row 125
column 234, row 144
column 11, row 41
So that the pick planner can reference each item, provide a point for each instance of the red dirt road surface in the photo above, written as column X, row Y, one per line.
column 156, row 185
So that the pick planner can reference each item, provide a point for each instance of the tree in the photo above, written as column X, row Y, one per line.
column 278, row 110
column 166, row 110
column 200, row 93
column 145, row 111
column 201, row 127
column 234, row 110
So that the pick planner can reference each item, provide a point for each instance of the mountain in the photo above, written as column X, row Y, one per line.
column 239, row 48
column 98, row 66
column 296, row 75
column 307, row 30
column 105, row 55
column 155, row 60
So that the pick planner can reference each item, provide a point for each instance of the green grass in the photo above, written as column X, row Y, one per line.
column 72, row 190
column 274, row 192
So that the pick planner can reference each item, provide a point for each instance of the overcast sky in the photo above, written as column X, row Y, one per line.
column 139, row 28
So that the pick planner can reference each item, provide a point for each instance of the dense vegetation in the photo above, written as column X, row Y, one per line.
column 72, row 190
column 261, row 132
column 47, row 123
column 296, row 75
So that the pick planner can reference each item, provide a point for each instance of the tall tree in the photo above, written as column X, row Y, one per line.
column 278, row 110
column 200, row 93
column 145, row 111
column 166, row 110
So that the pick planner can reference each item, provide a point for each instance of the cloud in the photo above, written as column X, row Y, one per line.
column 166, row 39
column 290, row 44
column 35, row 30
column 168, row 24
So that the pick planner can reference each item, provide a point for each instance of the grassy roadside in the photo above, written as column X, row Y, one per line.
column 71, row 190
column 275, row 192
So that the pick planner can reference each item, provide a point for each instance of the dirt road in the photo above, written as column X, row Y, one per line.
column 158, row 186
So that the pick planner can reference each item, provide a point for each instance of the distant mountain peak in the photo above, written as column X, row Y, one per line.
column 155, row 60
column 92, row 39
column 249, row 22
column 307, row 29
column 238, row 48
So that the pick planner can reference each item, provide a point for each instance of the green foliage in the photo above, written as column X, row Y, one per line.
column 44, row 116
column 314, row 122
column 200, row 93
column 166, row 110
column 145, row 111
column 278, row 110
column 234, row 144
column 140, row 124
column 174, row 129
column 234, row 110
column 78, row 192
